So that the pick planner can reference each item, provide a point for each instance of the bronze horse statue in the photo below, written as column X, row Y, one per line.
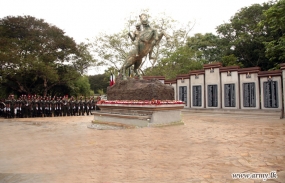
column 148, row 38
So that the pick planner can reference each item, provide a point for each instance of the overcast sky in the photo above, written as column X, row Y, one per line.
column 83, row 19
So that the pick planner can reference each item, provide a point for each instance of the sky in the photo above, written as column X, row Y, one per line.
column 85, row 19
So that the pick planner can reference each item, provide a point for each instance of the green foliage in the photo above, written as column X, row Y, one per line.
column 181, row 61
column 35, row 57
column 243, row 38
column 84, row 59
column 254, row 37
column 100, row 91
column 207, row 47
column 82, row 87
column 99, row 83
column 230, row 60
column 274, row 22
column 111, row 50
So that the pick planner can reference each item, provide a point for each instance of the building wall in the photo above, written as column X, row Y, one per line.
column 279, row 95
column 197, row 81
column 248, row 80
column 212, row 79
column 248, row 87
column 227, row 79
column 184, row 83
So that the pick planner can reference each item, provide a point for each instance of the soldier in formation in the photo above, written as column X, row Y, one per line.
column 39, row 106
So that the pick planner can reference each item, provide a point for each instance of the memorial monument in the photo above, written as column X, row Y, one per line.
column 146, row 40
column 138, row 102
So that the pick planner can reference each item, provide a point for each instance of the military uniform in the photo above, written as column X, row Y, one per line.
column 64, row 106
column 46, row 108
column 74, row 108
column 87, row 107
column 59, row 107
column 41, row 107
column 24, row 107
column 2, row 106
column 20, row 108
column 12, row 103
column 69, row 108
column 30, row 108
column 77, row 106
column 80, row 112
column 35, row 107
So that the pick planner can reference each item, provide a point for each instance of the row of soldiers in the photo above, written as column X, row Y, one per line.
column 37, row 106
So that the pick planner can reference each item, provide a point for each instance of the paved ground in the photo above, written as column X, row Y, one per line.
column 208, row 148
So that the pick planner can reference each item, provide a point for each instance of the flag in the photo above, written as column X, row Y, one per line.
column 112, row 79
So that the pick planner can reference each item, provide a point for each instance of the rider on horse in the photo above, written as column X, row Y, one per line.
column 145, row 23
column 147, row 39
column 136, row 37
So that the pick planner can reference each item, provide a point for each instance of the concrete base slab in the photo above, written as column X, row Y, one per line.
column 161, row 117
column 123, row 119
column 139, row 115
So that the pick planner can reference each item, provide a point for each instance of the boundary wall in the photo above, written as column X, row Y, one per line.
column 217, row 87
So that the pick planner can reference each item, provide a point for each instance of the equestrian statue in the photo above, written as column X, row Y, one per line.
column 144, row 40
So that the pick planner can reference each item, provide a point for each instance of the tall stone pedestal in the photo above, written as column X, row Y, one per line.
column 139, row 103
column 133, row 89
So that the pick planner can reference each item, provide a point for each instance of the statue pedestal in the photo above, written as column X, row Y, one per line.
column 139, row 103
column 133, row 89
column 139, row 115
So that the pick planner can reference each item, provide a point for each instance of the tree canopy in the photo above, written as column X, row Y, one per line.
column 243, row 38
column 274, row 23
column 253, row 37
column 34, row 56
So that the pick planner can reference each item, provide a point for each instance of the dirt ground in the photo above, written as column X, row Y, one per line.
column 207, row 149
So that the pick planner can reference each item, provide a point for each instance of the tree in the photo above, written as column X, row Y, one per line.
column 84, row 59
column 82, row 86
column 243, row 39
column 274, row 22
column 111, row 50
column 99, row 83
column 33, row 54
column 179, row 62
column 207, row 47
column 210, row 48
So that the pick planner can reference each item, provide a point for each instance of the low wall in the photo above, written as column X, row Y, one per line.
column 217, row 87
